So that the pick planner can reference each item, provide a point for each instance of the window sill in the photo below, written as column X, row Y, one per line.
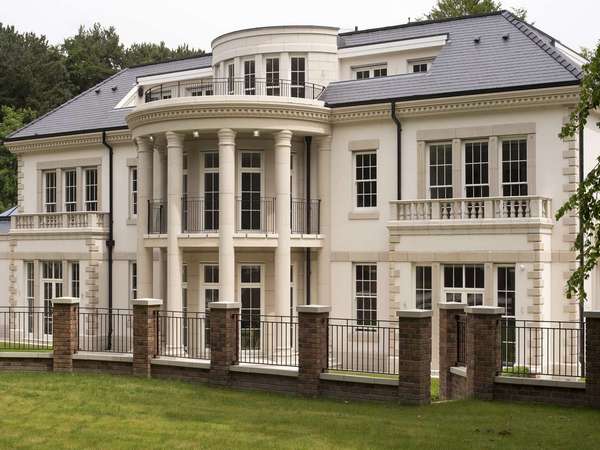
column 367, row 214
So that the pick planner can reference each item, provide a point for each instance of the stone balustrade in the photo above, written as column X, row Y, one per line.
column 60, row 221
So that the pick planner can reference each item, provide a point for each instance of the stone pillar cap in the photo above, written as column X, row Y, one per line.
column 224, row 305
column 65, row 301
column 484, row 310
column 594, row 314
column 314, row 309
column 414, row 313
column 450, row 305
column 146, row 302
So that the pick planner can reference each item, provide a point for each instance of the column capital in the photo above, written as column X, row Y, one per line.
column 283, row 137
column 226, row 136
column 174, row 139
column 144, row 144
column 323, row 143
column 160, row 144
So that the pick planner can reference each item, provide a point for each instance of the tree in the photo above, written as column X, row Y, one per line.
column 585, row 201
column 445, row 9
column 32, row 72
column 10, row 120
column 146, row 52
column 92, row 55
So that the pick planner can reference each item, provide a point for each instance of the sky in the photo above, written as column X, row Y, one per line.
column 197, row 22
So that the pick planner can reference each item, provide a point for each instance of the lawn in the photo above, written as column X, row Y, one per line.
column 58, row 410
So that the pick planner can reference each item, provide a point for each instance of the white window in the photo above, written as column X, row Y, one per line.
column 365, row 179
column 30, row 294
column 201, row 88
column 52, row 285
column 70, row 190
column 476, row 169
column 440, row 170
column 419, row 66
column 231, row 79
column 423, row 287
column 158, row 93
column 365, row 294
column 211, row 191
column 91, row 189
column 252, row 215
column 250, row 77
column 133, row 192
column 298, row 74
column 50, row 191
column 506, row 290
column 210, row 273
column 132, row 280
column 184, row 304
column 514, row 167
column 464, row 284
column 376, row 71
column 250, row 312
column 272, row 72
column 74, row 272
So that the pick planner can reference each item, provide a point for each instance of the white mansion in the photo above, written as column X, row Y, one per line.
column 370, row 170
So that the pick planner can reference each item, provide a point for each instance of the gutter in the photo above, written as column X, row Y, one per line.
column 398, row 150
column 110, row 243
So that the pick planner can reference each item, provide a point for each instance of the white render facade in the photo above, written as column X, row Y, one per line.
column 235, row 178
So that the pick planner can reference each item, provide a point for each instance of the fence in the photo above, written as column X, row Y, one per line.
column 102, row 330
column 183, row 334
column 552, row 348
column 270, row 340
column 368, row 347
column 25, row 328
column 461, row 342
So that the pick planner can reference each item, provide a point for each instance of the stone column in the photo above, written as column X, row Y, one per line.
column 414, row 356
column 226, row 215
column 312, row 346
column 145, row 339
column 174, row 194
column 592, row 357
column 324, row 183
column 283, row 254
column 64, row 332
column 223, row 340
column 144, row 255
column 483, row 350
column 160, row 193
column 448, row 345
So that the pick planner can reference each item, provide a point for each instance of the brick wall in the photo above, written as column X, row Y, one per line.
column 64, row 330
column 29, row 364
column 414, row 357
column 312, row 347
column 540, row 394
column 448, row 351
column 223, row 340
column 592, row 343
column 144, row 334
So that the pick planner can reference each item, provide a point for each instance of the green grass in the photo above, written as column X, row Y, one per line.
column 102, row 411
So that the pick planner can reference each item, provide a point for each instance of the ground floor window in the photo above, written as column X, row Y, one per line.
column 506, row 299
column 210, row 273
column 423, row 287
column 464, row 283
column 132, row 280
column 365, row 294
column 184, row 303
column 75, row 282
column 30, row 294
column 250, row 295
column 52, row 284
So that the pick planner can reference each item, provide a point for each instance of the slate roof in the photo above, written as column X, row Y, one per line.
column 5, row 219
column 527, row 59
column 91, row 111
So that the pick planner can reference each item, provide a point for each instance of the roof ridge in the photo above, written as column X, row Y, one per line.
column 528, row 31
column 62, row 105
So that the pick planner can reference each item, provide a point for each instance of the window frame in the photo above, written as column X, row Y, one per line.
column 481, row 185
column 364, row 295
column 371, row 181
column 447, row 187
column 371, row 71
column 29, row 272
column 519, row 184
column 133, row 281
column 463, row 291
column 133, row 192
column 426, row 272
column 70, row 190
column 249, row 77
column 91, row 203
column 420, row 62
column 75, row 279
column 50, row 191
column 272, row 76
column 298, row 77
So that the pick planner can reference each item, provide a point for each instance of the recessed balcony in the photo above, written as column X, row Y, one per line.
column 245, row 86
column 60, row 222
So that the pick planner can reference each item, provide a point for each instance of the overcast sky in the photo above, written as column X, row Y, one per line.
column 197, row 22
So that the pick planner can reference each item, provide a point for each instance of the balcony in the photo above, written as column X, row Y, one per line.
column 473, row 209
column 60, row 222
column 234, row 86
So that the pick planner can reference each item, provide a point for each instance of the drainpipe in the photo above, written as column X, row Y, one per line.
column 398, row 150
column 110, row 243
column 581, row 257
column 307, row 141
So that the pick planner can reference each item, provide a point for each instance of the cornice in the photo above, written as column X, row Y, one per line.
column 67, row 141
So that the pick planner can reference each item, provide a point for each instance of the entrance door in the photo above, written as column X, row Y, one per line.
column 52, row 283
column 251, row 191
column 250, row 295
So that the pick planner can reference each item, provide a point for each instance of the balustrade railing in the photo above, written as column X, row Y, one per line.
column 60, row 221
column 472, row 208
column 248, row 85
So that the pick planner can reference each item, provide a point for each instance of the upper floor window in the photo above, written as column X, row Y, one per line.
column 272, row 72
column 514, row 167
column 250, row 77
column 298, row 74
column 476, row 169
column 361, row 73
column 230, row 78
column 423, row 285
column 91, row 189
column 133, row 191
column 365, row 293
column 440, row 170
column 50, row 191
column 211, row 190
column 70, row 190
column 464, row 283
column 365, row 179
column 419, row 66
column 202, row 88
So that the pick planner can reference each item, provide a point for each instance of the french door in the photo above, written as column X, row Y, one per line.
column 211, row 191
column 251, row 298
column 52, row 284
column 251, row 191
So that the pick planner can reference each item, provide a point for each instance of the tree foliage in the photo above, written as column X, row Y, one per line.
column 586, row 200
column 147, row 52
column 445, row 9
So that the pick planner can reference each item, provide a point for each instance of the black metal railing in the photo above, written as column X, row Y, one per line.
column 269, row 340
column 461, row 340
column 305, row 216
column 255, row 214
column 200, row 214
column 25, row 328
column 248, row 85
column 358, row 347
column 103, row 330
column 551, row 348
column 157, row 217
column 183, row 334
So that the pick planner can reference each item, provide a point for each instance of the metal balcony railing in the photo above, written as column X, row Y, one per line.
column 255, row 214
column 247, row 85
column 200, row 214
column 306, row 216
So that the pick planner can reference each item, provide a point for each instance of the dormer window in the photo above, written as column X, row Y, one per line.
column 419, row 66
column 375, row 71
